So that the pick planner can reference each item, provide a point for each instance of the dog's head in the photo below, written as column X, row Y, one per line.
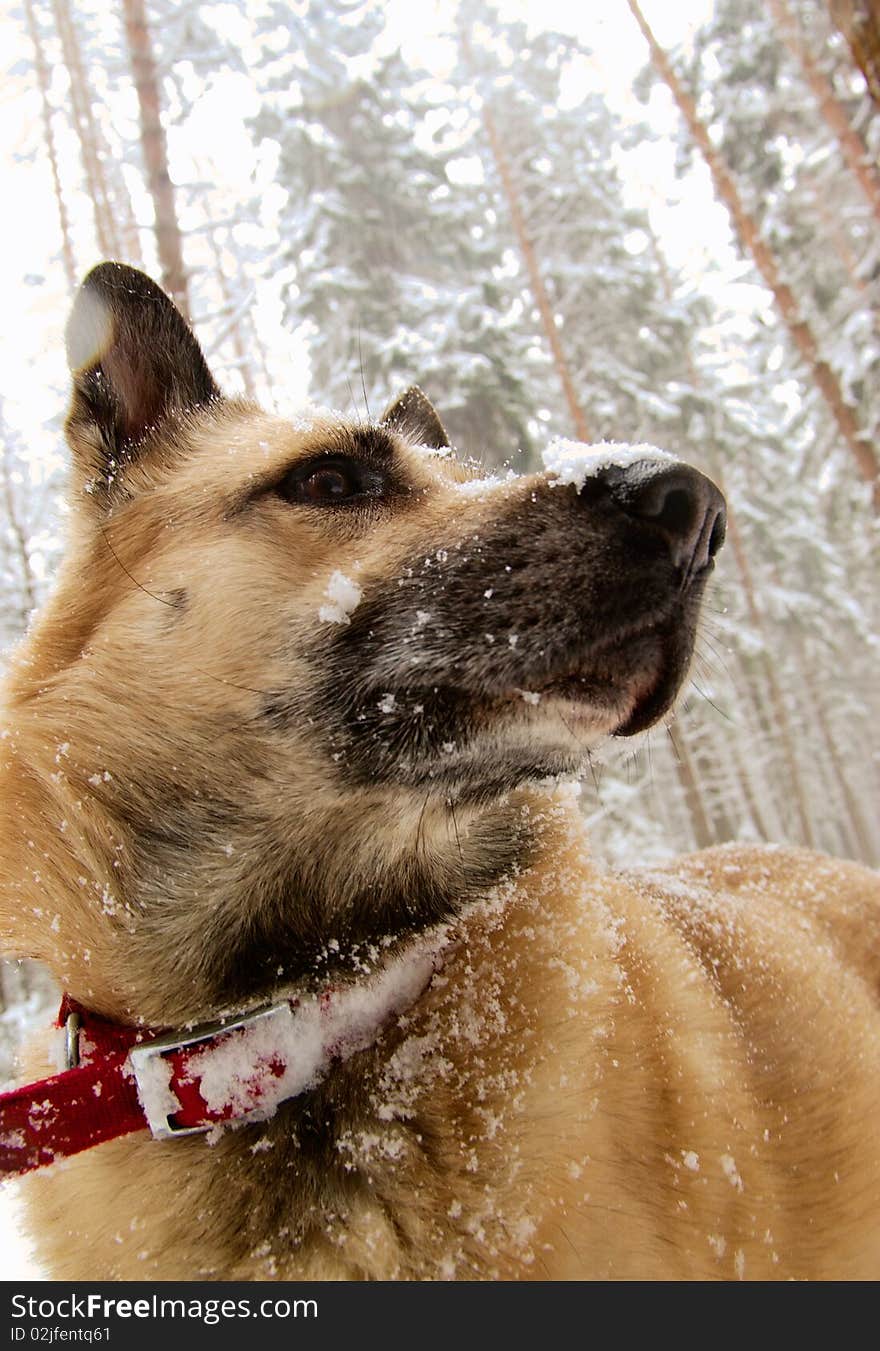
column 284, row 648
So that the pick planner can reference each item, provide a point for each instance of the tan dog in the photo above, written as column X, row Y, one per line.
column 302, row 696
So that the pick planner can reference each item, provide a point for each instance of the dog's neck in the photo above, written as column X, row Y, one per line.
column 300, row 911
column 402, row 1116
column 212, row 905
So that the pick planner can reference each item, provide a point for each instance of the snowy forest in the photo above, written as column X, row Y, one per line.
column 632, row 225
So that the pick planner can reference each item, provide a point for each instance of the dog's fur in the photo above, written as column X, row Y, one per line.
column 213, row 793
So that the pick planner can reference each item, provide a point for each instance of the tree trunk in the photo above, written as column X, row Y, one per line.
column 763, row 814
column 243, row 361
column 855, row 153
column 86, row 130
column 750, row 239
column 859, row 22
column 115, row 224
column 49, row 136
column 526, row 247
column 16, row 529
column 779, row 714
column 155, row 152
column 866, row 842
column 689, row 779
column 841, row 245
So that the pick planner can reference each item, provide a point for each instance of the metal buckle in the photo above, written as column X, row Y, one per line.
column 72, row 1025
column 154, row 1086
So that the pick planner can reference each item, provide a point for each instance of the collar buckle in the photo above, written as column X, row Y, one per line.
column 152, row 1067
column 72, row 1024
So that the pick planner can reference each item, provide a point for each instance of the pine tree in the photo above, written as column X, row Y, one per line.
column 395, row 271
column 754, row 241
column 804, row 531
column 632, row 337
column 855, row 153
column 516, row 213
column 155, row 154
column 42, row 74
column 621, row 340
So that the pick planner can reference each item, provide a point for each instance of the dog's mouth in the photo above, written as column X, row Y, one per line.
column 624, row 687
column 618, row 686
column 632, row 682
column 457, row 699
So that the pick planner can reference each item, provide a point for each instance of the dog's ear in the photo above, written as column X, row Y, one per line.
column 414, row 416
column 134, row 363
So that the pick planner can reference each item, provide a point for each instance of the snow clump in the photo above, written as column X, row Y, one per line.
column 344, row 596
column 574, row 462
column 478, row 487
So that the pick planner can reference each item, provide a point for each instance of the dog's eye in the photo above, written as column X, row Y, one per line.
column 327, row 485
column 329, row 482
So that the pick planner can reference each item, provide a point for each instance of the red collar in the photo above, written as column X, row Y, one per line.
column 120, row 1079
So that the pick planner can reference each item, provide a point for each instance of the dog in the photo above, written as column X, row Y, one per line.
column 295, row 741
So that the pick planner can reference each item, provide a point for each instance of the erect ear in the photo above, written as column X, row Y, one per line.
column 134, row 363
column 413, row 415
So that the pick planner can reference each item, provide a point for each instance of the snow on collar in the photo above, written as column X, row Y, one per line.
column 120, row 1079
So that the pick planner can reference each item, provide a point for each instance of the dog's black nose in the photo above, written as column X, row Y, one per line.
column 676, row 501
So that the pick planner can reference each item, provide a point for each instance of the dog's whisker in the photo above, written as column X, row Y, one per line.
column 352, row 402
column 451, row 805
column 704, row 664
column 363, row 375
column 709, row 700
column 563, row 1231
column 420, row 842
column 163, row 600
column 596, row 776
column 574, row 735
column 221, row 680
column 719, row 656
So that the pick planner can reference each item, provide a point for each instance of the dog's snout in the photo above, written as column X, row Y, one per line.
column 676, row 501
